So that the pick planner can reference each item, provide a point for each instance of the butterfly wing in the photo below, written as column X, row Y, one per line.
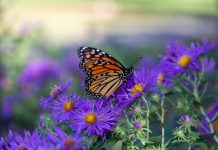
column 103, row 72
column 91, row 56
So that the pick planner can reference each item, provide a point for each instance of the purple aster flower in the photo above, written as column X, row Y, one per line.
column 96, row 118
column 209, row 65
column 203, row 127
column 36, row 74
column 130, row 91
column 64, row 141
column 187, row 121
column 204, row 46
column 179, row 57
column 63, row 110
column 56, row 91
column 30, row 141
column 161, row 76
column 186, row 118
column 3, row 144
column 137, row 125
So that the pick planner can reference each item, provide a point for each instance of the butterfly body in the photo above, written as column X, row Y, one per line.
column 104, row 74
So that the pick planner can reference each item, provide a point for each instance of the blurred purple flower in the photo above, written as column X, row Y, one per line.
column 147, row 62
column 130, row 91
column 64, row 141
column 179, row 57
column 96, row 118
column 137, row 125
column 212, row 113
column 216, row 43
column 3, row 144
column 8, row 104
column 137, row 109
column 36, row 74
column 209, row 65
column 28, row 141
column 63, row 110
column 186, row 118
column 42, row 124
column 56, row 91
column 196, row 148
column 72, row 63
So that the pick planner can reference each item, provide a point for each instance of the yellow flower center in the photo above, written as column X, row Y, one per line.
column 184, row 61
column 69, row 142
column 68, row 106
column 215, row 124
column 137, row 88
column 91, row 118
column 160, row 79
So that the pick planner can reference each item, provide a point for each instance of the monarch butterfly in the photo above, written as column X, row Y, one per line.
column 104, row 74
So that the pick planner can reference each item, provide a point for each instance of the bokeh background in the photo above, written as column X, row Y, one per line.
column 39, row 39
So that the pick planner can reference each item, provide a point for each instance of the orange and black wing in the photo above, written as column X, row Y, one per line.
column 104, row 74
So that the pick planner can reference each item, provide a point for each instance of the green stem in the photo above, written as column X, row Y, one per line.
column 189, row 146
column 169, row 141
column 162, row 124
column 189, row 136
column 209, row 123
column 195, row 89
column 204, row 90
column 147, row 117
column 148, row 121
column 186, row 89
column 127, row 119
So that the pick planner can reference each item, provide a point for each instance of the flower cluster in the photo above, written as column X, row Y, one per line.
column 28, row 141
column 74, row 122
column 141, row 82
column 95, row 117
column 36, row 74
column 59, row 141
column 179, row 58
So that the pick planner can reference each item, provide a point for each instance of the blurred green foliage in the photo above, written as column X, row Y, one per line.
column 197, row 7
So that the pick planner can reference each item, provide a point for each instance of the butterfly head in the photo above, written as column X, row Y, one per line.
column 128, row 73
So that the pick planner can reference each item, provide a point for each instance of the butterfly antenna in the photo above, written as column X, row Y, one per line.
column 136, row 61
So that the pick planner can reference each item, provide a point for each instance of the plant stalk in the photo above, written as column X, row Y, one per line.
column 147, row 117
column 162, row 124
column 189, row 146
column 209, row 124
